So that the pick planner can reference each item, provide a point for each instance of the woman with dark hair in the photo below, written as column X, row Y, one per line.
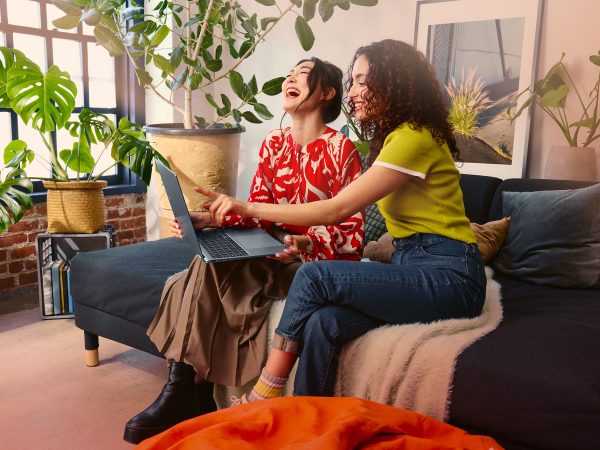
column 436, row 271
column 211, row 324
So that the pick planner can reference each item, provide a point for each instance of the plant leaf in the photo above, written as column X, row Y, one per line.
column 555, row 97
column 309, row 9
column 265, row 21
column 17, row 155
column 586, row 123
column 45, row 101
column 8, row 56
column 237, row 83
column 595, row 59
column 273, row 87
column 12, row 200
column 263, row 111
column 107, row 39
column 79, row 158
column 67, row 22
column 250, row 117
column 364, row 2
column 159, row 35
column 325, row 10
column 304, row 33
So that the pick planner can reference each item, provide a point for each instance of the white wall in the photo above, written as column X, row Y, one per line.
column 570, row 27
column 566, row 26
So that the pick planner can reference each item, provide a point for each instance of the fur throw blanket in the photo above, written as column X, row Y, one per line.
column 407, row 366
column 411, row 366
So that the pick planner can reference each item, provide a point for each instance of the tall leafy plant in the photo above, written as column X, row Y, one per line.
column 187, row 40
column 551, row 93
column 46, row 102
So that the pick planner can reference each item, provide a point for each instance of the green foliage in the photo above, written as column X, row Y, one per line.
column 468, row 99
column 361, row 144
column 200, row 32
column 45, row 102
column 551, row 94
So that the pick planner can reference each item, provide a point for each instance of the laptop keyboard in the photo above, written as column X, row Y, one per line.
column 219, row 245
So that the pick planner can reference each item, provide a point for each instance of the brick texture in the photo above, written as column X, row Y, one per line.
column 18, row 264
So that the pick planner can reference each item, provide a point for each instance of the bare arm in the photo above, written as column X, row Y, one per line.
column 373, row 185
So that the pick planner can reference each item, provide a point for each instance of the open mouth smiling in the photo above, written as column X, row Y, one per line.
column 292, row 92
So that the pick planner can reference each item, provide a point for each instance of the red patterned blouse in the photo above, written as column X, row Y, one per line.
column 289, row 173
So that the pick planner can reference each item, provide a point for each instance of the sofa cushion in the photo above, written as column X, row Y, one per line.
column 554, row 237
column 490, row 237
column 525, row 185
column 533, row 381
column 128, row 281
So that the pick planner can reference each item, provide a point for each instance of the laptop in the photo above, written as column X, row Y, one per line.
column 216, row 244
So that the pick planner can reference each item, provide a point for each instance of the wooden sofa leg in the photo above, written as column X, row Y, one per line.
column 91, row 349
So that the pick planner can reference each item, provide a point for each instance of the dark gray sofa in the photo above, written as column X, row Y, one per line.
column 533, row 383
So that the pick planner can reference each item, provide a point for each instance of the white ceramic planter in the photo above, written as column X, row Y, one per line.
column 571, row 163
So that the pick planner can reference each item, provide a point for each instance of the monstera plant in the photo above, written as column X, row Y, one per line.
column 46, row 103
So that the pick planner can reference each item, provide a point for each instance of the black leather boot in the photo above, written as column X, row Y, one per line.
column 179, row 400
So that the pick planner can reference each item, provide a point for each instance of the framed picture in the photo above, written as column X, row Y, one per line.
column 483, row 52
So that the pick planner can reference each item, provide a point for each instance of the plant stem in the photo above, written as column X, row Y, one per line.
column 193, row 54
column 56, row 167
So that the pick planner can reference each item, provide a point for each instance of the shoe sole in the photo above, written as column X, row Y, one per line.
column 136, row 435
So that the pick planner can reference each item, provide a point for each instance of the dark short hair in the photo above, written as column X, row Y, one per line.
column 326, row 75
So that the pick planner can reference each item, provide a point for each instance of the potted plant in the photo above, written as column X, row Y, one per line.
column 45, row 102
column 196, row 45
column 577, row 160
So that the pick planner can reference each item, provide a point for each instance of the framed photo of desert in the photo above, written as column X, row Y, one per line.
column 484, row 53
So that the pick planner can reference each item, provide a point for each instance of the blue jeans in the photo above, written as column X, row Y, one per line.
column 330, row 303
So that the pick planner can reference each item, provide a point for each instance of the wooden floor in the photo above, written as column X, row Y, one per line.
column 50, row 400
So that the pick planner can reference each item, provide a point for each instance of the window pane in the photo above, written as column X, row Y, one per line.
column 40, row 165
column 87, row 29
column 2, row 39
column 102, row 77
column 24, row 12
column 67, row 56
column 34, row 48
column 53, row 13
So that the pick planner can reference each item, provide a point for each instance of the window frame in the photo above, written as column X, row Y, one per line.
column 129, row 95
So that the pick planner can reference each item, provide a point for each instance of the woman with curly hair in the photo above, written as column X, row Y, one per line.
column 436, row 271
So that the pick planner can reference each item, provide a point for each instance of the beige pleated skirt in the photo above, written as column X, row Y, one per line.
column 214, row 316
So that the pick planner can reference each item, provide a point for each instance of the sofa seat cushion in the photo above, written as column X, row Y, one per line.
column 535, row 379
column 128, row 281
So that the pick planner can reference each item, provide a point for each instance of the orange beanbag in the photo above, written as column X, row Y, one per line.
column 315, row 423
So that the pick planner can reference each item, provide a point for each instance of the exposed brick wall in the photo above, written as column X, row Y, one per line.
column 126, row 212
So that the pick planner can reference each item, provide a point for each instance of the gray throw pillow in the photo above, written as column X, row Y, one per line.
column 554, row 237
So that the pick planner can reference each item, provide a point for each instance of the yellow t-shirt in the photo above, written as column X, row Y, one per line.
column 431, row 200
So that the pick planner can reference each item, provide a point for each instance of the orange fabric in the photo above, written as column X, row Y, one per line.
column 315, row 423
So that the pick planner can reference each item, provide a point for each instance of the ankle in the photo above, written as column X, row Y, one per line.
column 267, row 386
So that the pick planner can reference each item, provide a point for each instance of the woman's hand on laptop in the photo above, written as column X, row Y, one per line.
column 199, row 221
column 295, row 243
column 222, row 205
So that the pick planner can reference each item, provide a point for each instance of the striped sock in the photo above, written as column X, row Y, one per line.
column 267, row 386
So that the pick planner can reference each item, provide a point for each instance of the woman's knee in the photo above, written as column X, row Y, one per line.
column 322, row 326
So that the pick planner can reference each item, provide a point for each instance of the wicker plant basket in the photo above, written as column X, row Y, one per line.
column 75, row 206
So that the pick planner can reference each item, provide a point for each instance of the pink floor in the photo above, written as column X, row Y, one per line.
column 50, row 400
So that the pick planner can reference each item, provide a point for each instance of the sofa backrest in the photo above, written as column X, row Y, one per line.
column 478, row 191
column 528, row 185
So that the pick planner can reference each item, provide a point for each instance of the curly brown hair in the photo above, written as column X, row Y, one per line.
column 402, row 88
